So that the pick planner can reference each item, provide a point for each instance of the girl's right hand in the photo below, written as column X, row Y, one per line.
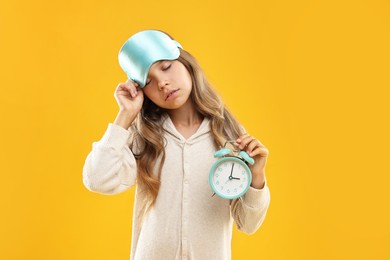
column 129, row 97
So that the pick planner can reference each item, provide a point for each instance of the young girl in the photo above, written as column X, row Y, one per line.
column 169, row 125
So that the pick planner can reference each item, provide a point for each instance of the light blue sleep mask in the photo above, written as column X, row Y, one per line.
column 144, row 48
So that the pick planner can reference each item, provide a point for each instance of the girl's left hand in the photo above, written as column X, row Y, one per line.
column 258, row 152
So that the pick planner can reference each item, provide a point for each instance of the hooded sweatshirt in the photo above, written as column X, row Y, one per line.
column 186, row 221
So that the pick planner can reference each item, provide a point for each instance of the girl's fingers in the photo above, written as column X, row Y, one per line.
column 132, row 87
column 239, row 139
column 251, row 145
column 260, row 150
column 245, row 141
column 129, row 86
column 130, row 82
column 123, row 87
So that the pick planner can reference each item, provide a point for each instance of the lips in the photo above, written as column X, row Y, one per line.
column 170, row 93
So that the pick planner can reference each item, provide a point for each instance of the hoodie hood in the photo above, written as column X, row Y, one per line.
column 170, row 128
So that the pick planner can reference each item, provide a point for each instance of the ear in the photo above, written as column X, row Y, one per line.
column 247, row 158
column 222, row 152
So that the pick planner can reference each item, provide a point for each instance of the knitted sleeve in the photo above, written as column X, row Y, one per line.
column 249, row 210
column 110, row 167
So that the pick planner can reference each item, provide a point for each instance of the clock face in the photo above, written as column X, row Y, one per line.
column 230, row 177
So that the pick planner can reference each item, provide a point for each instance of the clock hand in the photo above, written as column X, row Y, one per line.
column 231, row 172
column 234, row 178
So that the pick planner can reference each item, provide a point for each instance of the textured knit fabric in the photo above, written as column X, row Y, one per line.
column 186, row 222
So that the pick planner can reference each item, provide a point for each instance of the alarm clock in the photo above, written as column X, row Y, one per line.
column 230, row 176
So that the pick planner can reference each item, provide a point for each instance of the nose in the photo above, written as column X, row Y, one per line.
column 162, row 83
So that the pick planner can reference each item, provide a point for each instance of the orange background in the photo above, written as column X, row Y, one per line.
column 310, row 79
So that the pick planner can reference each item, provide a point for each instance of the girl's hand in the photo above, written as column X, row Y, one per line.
column 259, row 152
column 129, row 97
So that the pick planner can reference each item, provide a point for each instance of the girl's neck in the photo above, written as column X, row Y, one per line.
column 186, row 115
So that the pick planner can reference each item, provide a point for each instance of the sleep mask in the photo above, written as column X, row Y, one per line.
column 144, row 48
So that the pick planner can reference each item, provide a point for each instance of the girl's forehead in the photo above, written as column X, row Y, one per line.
column 157, row 63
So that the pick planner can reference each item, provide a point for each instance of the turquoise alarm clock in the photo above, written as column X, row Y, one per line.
column 230, row 176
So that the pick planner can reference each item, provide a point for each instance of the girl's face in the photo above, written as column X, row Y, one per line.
column 168, row 84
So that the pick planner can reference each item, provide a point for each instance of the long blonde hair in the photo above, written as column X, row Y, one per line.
column 147, row 130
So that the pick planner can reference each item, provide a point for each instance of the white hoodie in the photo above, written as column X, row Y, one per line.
column 186, row 222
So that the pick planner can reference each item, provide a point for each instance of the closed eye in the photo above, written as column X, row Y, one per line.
column 163, row 69
column 167, row 68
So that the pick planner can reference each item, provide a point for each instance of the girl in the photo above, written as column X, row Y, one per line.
column 169, row 125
